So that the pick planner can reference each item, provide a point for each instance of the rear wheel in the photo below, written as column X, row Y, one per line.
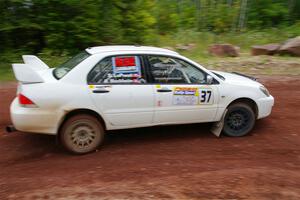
column 81, row 134
column 239, row 120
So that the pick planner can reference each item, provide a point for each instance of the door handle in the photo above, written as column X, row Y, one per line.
column 164, row 90
column 102, row 90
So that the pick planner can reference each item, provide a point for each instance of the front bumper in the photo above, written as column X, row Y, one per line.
column 265, row 106
column 34, row 120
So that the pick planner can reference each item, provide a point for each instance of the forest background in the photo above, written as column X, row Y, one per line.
column 57, row 29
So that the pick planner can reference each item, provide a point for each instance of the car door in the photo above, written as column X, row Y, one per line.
column 182, row 94
column 119, row 90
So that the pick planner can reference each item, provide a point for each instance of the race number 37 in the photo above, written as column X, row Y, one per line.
column 205, row 96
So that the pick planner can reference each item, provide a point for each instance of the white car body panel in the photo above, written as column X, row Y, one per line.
column 243, row 88
column 124, row 106
column 168, row 113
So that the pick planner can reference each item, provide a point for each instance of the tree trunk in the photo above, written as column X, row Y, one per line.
column 243, row 12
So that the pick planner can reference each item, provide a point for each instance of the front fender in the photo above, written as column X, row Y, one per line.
column 231, row 93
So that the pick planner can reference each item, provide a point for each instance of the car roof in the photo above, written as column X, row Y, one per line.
column 118, row 48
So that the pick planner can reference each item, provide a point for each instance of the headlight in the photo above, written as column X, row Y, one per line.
column 264, row 90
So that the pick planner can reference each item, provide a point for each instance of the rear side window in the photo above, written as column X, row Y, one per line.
column 170, row 70
column 64, row 68
column 118, row 70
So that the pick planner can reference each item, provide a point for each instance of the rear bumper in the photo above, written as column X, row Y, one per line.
column 34, row 120
column 265, row 106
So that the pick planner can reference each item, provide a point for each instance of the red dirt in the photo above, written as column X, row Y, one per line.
column 172, row 162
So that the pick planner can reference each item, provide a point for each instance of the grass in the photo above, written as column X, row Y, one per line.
column 202, row 40
column 6, row 73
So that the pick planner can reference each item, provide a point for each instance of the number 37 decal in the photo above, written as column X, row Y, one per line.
column 205, row 96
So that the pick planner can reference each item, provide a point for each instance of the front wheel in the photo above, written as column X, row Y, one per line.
column 81, row 134
column 239, row 120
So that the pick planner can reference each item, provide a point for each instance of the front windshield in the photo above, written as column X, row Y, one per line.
column 64, row 68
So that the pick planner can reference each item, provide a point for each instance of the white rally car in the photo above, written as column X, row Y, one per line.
column 119, row 87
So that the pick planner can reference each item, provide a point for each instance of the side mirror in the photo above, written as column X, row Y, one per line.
column 209, row 79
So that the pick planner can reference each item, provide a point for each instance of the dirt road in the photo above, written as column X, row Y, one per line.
column 181, row 162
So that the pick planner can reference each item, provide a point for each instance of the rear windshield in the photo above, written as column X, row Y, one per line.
column 64, row 68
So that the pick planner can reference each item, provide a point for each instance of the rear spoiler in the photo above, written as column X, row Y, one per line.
column 28, row 72
column 250, row 77
column 34, row 62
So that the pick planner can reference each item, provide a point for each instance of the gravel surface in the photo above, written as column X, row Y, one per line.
column 170, row 162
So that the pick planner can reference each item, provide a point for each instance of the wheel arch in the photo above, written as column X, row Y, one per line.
column 81, row 111
column 247, row 101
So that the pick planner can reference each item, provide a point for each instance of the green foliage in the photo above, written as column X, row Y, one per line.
column 138, row 22
column 66, row 26
column 221, row 17
column 109, row 21
column 167, row 16
column 268, row 13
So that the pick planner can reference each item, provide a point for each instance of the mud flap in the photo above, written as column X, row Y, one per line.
column 217, row 127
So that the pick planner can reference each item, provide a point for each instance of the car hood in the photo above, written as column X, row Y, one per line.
column 237, row 78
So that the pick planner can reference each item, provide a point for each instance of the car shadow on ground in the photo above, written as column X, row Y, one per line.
column 26, row 146
column 39, row 144
column 158, row 134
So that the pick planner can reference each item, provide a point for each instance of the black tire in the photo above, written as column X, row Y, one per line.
column 81, row 134
column 239, row 120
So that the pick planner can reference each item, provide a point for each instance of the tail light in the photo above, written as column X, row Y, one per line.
column 26, row 102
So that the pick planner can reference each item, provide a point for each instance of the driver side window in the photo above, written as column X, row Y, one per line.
column 175, row 71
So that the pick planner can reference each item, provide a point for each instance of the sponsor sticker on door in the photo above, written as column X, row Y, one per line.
column 192, row 96
column 185, row 96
